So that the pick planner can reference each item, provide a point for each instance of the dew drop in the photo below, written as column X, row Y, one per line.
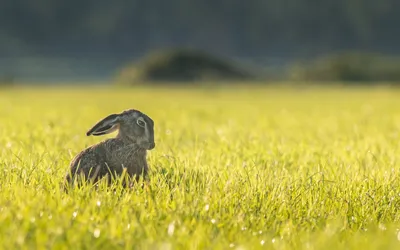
column 207, row 207
column 171, row 229
column 398, row 236
column 74, row 214
column 231, row 245
column 59, row 231
column 96, row 233
column 213, row 221
column 262, row 242
column 20, row 240
column 98, row 203
column 273, row 240
column 129, row 226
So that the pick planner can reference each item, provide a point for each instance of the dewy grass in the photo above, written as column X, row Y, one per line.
column 265, row 168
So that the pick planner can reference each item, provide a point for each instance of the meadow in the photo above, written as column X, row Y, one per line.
column 257, row 168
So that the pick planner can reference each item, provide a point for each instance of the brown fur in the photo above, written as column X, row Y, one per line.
column 111, row 157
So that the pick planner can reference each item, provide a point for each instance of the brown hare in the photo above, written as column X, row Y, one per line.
column 127, row 151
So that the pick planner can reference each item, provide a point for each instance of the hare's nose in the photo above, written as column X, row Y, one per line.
column 152, row 145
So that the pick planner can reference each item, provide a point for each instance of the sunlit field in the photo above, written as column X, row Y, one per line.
column 257, row 168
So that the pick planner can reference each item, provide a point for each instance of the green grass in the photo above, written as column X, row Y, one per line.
column 264, row 168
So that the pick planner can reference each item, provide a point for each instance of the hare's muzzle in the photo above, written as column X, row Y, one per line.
column 148, row 145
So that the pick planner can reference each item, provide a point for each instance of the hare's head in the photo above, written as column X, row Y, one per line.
column 133, row 125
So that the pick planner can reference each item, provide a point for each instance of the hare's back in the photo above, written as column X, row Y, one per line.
column 89, row 160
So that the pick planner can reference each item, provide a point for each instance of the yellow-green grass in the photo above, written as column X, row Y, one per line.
column 262, row 168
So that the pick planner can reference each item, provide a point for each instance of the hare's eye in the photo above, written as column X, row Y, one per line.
column 141, row 123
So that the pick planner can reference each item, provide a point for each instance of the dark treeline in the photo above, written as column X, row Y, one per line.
column 248, row 28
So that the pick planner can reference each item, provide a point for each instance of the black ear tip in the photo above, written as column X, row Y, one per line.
column 88, row 133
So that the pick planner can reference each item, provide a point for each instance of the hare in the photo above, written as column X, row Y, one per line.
column 127, row 151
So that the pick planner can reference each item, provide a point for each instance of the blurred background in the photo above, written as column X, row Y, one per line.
column 133, row 41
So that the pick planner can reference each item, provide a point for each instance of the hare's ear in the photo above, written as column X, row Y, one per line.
column 105, row 126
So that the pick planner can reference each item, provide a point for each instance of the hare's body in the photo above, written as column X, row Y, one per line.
column 127, row 152
column 109, row 158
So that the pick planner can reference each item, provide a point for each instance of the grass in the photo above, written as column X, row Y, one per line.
column 263, row 168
